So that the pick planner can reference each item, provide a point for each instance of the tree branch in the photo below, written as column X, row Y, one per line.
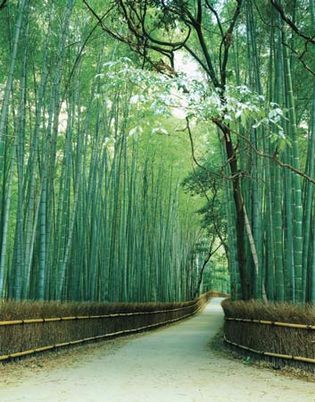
column 207, row 259
column 227, row 42
column 3, row 4
column 192, row 145
column 300, row 56
column 75, row 64
column 291, row 24
column 267, row 156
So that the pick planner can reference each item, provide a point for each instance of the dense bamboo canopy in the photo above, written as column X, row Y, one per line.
column 151, row 148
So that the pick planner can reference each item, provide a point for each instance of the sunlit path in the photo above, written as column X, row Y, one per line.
column 171, row 364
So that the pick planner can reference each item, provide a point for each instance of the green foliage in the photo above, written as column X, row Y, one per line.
column 106, row 195
column 90, row 172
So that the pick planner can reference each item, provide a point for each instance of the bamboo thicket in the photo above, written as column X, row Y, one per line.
column 91, row 205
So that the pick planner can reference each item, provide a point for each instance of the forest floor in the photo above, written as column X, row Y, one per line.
column 174, row 364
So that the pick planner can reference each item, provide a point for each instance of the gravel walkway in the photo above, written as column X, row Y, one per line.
column 173, row 364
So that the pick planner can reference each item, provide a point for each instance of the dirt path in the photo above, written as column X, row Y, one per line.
column 168, row 365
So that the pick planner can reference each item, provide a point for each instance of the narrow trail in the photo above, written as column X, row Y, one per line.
column 168, row 365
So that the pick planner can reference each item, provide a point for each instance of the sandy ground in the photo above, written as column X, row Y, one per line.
column 171, row 364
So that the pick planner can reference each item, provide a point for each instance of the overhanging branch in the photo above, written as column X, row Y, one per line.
column 290, row 23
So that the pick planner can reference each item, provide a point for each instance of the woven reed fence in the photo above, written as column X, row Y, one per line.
column 281, row 333
column 25, row 336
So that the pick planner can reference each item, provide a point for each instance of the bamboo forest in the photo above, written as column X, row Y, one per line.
column 152, row 150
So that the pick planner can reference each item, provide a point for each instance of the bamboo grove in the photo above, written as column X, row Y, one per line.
column 89, row 211
column 96, row 169
column 267, row 165
column 279, row 201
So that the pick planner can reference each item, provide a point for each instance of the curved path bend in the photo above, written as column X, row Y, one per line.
column 173, row 364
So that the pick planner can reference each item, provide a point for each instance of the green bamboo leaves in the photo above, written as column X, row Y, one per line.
column 287, row 202
column 92, row 158
column 91, row 206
